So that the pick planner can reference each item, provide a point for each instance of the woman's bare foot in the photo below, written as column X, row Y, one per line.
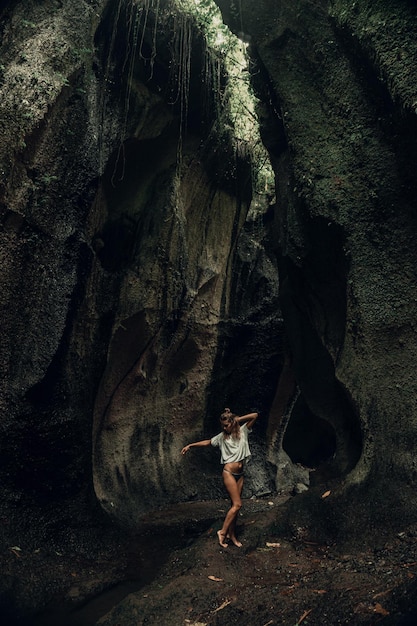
column 221, row 536
column 236, row 542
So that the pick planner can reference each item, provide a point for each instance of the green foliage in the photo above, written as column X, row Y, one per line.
column 63, row 79
column 227, row 74
column 47, row 179
column 238, row 102
column 28, row 24
column 208, row 17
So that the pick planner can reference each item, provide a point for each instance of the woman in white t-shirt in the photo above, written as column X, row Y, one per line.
column 234, row 449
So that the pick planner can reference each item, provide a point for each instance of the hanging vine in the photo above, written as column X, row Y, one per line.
column 148, row 5
column 226, row 93
column 181, row 68
column 136, row 15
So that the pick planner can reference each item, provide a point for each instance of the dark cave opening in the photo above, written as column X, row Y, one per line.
column 308, row 440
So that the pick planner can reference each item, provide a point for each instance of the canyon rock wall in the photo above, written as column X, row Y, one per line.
column 139, row 291
column 338, row 81
column 136, row 299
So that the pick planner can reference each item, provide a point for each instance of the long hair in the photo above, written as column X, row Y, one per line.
column 230, row 419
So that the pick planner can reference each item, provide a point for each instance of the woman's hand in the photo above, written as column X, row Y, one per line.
column 196, row 444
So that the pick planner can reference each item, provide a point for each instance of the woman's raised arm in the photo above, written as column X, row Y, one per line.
column 249, row 418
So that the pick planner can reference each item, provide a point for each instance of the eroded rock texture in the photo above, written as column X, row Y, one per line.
column 139, row 288
column 339, row 81
column 136, row 299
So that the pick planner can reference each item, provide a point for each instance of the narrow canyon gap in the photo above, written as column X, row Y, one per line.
column 148, row 280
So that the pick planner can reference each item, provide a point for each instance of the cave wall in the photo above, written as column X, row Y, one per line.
column 130, row 269
column 139, row 293
column 48, row 168
column 184, row 243
column 338, row 81
column 164, row 340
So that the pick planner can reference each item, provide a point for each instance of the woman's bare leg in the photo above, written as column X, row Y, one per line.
column 222, row 539
column 234, row 490
column 232, row 528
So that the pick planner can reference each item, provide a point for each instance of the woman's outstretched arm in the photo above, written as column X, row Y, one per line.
column 196, row 444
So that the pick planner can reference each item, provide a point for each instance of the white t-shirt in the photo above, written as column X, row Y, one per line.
column 233, row 449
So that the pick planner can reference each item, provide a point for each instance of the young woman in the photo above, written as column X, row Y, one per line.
column 234, row 449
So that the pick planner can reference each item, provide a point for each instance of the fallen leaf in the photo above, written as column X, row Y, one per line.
column 217, row 580
column 272, row 545
column 319, row 590
column 16, row 551
column 304, row 615
column 380, row 609
column 287, row 592
column 262, row 550
column 383, row 593
column 222, row 606
column 326, row 494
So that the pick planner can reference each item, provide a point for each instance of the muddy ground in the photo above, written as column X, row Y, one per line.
column 173, row 572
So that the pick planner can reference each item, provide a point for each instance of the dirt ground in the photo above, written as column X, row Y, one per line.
column 173, row 572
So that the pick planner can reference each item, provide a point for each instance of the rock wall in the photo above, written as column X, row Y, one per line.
column 139, row 291
column 136, row 298
column 338, row 79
